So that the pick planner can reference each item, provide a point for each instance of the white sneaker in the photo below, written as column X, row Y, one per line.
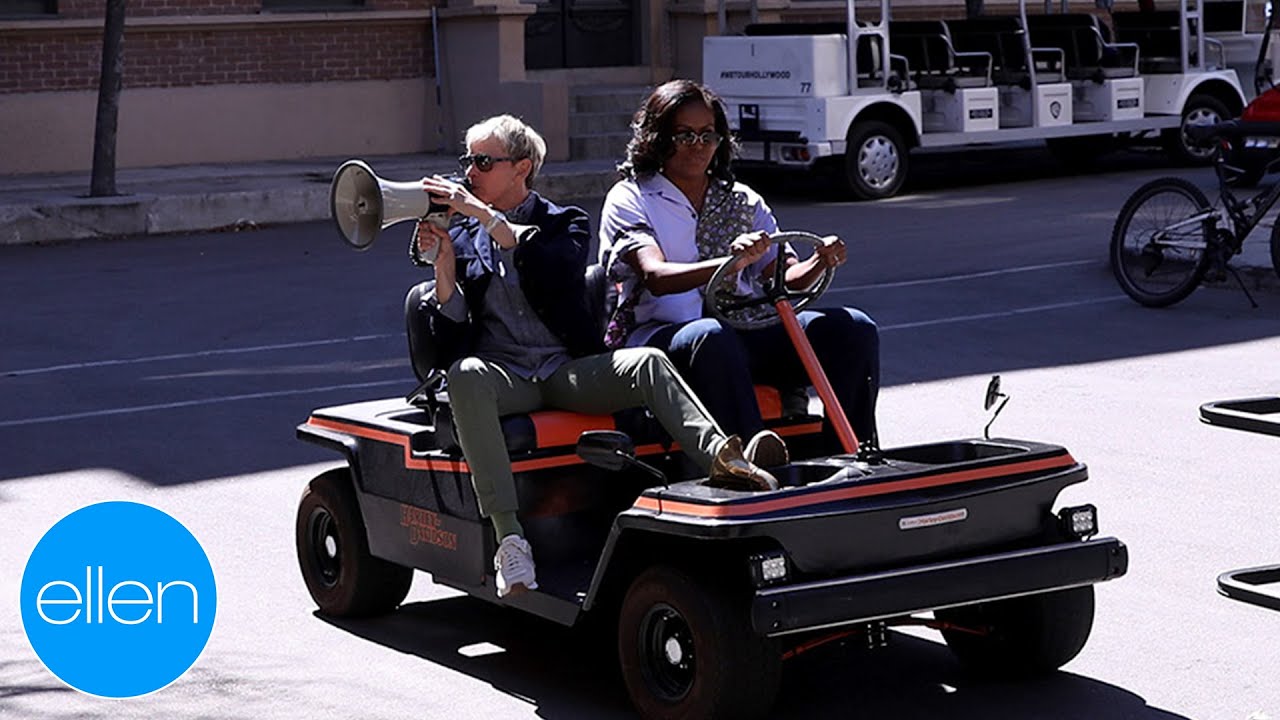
column 514, row 563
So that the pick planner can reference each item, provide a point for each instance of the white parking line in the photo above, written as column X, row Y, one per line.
column 190, row 403
column 201, row 353
column 956, row 278
column 1001, row 314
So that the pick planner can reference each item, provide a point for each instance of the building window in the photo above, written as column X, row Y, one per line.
column 309, row 4
column 28, row 8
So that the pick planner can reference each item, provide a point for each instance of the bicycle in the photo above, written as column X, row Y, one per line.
column 1169, row 238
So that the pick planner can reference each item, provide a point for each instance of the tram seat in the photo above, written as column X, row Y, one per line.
column 1158, row 35
column 1086, row 54
column 931, row 58
column 1003, row 36
column 869, row 52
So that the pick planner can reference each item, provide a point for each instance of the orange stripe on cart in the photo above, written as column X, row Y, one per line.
column 663, row 505
column 461, row 466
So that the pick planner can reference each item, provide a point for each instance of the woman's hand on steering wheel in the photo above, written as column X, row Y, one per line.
column 832, row 252
column 748, row 249
column 759, row 310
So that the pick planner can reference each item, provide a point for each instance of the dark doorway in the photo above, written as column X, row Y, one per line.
column 581, row 33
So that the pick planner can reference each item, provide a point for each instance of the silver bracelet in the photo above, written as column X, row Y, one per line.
column 493, row 222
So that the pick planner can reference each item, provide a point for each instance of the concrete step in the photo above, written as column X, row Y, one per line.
column 606, row 98
column 594, row 123
column 599, row 146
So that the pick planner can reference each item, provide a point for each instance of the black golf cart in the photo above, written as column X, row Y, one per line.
column 711, row 589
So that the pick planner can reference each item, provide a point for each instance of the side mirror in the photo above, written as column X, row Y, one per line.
column 993, row 395
column 613, row 451
column 993, row 392
column 607, row 449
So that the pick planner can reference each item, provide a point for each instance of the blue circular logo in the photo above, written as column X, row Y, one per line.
column 118, row 599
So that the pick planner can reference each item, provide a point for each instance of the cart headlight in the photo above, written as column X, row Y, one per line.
column 1080, row 522
column 768, row 568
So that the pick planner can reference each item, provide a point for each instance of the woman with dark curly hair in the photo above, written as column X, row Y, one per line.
column 669, row 224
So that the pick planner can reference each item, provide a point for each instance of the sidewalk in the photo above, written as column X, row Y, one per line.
column 193, row 198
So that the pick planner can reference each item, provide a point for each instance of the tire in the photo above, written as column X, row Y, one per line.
column 1081, row 152
column 333, row 552
column 1201, row 109
column 1152, row 274
column 686, row 650
column 875, row 161
column 1275, row 248
column 1023, row 636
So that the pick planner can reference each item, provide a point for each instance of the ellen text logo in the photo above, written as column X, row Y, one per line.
column 118, row 599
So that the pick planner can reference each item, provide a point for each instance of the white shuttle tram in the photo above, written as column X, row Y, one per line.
column 864, row 93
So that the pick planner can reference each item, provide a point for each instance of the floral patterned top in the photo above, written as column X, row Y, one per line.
column 653, row 211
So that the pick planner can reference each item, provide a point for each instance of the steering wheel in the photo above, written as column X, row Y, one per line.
column 758, row 311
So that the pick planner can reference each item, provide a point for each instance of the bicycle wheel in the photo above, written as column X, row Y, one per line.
column 1158, row 249
column 1275, row 248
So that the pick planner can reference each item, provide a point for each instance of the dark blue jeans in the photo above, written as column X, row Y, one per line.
column 722, row 365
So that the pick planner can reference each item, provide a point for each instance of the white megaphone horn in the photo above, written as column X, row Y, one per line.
column 364, row 204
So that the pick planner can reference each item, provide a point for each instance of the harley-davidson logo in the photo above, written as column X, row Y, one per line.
column 942, row 518
column 426, row 527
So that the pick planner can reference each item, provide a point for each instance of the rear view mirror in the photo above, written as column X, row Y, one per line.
column 993, row 392
column 608, row 449
column 612, row 450
column 993, row 396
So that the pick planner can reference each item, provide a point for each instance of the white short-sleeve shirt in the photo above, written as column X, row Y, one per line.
column 653, row 211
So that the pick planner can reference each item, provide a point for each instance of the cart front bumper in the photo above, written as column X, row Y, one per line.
column 906, row 591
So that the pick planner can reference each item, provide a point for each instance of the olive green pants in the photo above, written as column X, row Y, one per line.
column 480, row 392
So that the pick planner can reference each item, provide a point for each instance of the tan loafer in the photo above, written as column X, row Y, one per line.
column 767, row 449
column 731, row 469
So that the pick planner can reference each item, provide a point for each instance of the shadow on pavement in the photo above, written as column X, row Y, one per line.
column 568, row 674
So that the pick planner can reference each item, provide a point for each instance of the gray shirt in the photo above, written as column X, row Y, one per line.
column 509, row 331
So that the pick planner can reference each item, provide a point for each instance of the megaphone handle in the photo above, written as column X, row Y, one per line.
column 835, row 413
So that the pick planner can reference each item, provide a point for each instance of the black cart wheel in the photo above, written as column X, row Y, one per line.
column 1159, row 246
column 875, row 161
column 1022, row 636
column 1201, row 109
column 687, row 650
column 333, row 552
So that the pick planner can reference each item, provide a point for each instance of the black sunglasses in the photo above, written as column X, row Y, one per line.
column 689, row 137
column 482, row 162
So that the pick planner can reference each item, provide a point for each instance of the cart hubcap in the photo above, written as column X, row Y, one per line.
column 666, row 652
column 1198, row 116
column 674, row 652
column 878, row 162
column 326, row 555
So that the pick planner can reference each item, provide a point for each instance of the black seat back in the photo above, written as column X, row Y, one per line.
column 422, row 351
column 598, row 291
column 999, row 35
column 1157, row 33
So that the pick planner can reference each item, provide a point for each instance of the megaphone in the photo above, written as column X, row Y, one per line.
column 364, row 204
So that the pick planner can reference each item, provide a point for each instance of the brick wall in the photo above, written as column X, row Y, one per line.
column 45, row 57
column 154, row 8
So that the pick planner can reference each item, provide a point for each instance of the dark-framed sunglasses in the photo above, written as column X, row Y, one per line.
column 483, row 163
column 689, row 137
